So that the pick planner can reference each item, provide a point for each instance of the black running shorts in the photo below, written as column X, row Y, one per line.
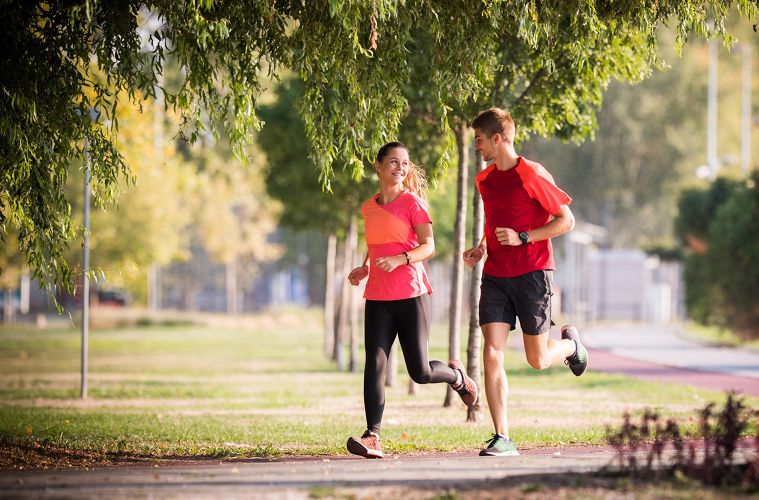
column 527, row 297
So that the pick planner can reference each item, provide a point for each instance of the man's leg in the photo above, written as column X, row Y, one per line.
column 496, row 383
column 542, row 351
column 532, row 296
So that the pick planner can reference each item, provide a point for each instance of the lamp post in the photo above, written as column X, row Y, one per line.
column 711, row 121
column 745, row 49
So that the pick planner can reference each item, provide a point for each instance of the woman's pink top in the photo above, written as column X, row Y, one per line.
column 390, row 231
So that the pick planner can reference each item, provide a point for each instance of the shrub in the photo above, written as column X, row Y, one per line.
column 641, row 447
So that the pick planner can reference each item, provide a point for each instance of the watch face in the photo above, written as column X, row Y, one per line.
column 523, row 236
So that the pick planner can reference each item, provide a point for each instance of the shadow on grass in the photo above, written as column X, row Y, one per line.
column 47, row 454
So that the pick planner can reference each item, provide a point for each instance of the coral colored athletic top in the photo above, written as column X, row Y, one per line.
column 522, row 198
column 390, row 231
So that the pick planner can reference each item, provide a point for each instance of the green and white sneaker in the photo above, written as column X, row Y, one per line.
column 578, row 361
column 499, row 446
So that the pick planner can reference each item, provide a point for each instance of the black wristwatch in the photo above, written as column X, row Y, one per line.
column 524, row 236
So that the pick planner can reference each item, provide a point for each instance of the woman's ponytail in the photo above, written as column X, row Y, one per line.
column 416, row 181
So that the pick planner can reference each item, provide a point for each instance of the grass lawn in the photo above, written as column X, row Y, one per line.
column 718, row 335
column 265, row 389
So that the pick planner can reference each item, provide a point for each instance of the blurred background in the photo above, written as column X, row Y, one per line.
column 663, row 195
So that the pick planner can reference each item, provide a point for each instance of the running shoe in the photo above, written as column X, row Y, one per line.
column 578, row 361
column 367, row 446
column 499, row 446
column 468, row 389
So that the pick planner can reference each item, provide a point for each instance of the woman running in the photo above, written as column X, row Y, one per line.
column 398, row 239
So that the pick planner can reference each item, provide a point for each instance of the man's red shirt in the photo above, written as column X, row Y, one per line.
column 522, row 198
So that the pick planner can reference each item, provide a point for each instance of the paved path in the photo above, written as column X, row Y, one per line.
column 662, row 353
column 298, row 478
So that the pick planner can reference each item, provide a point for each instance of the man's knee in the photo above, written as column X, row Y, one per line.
column 492, row 357
column 539, row 362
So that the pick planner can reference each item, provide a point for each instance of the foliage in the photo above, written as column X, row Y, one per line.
column 231, row 212
column 65, row 60
column 293, row 178
column 654, row 447
column 11, row 264
column 697, row 209
column 145, row 224
column 718, row 225
column 734, row 255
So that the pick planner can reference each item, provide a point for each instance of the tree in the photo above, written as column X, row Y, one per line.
column 233, row 216
column 551, row 80
column 293, row 179
column 734, row 258
column 11, row 270
column 649, row 141
column 65, row 60
column 697, row 212
column 147, row 224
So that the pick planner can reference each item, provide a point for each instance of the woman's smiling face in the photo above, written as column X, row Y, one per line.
column 394, row 167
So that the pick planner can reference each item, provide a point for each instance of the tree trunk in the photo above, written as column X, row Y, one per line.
column 353, row 298
column 338, row 294
column 24, row 298
column 474, row 344
column 345, row 298
column 459, row 238
column 329, row 296
column 8, row 309
column 154, row 288
column 412, row 387
column 231, row 284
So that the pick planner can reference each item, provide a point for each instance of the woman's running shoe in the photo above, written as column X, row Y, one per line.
column 468, row 389
column 367, row 446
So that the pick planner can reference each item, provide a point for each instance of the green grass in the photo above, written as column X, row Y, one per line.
column 718, row 335
column 267, row 390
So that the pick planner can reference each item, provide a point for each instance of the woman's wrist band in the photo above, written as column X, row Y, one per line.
column 407, row 259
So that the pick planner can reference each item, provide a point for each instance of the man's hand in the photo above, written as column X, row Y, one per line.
column 473, row 255
column 390, row 263
column 357, row 274
column 507, row 236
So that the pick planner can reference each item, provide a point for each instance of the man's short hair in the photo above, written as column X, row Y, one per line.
column 495, row 121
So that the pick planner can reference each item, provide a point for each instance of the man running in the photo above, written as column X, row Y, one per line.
column 523, row 210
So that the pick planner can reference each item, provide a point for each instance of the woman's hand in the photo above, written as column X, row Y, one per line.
column 357, row 274
column 390, row 263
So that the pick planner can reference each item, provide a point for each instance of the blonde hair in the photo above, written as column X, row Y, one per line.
column 416, row 180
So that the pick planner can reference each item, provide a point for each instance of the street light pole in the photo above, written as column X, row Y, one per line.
column 746, row 111
column 711, row 121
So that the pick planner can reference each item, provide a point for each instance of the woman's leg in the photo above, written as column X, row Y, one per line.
column 411, row 316
column 379, row 333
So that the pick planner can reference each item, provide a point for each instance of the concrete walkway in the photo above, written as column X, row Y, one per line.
column 297, row 478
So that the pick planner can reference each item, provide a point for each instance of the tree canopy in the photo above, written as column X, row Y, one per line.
column 66, row 64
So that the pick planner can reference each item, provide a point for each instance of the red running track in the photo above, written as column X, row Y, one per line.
column 607, row 362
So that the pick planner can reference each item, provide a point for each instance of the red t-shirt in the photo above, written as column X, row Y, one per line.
column 522, row 198
column 390, row 231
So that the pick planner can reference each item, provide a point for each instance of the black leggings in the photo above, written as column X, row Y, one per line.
column 383, row 320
